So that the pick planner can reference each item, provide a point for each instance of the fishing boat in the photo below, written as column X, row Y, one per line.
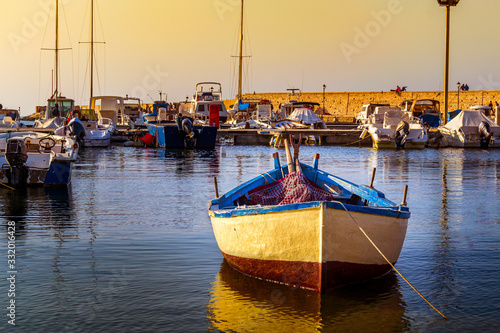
column 304, row 227
column 58, row 107
column 34, row 158
column 391, row 127
column 469, row 129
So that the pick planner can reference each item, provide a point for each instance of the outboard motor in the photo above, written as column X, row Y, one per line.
column 189, row 135
column 484, row 134
column 402, row 131
column 76, row 128
column 16, row 155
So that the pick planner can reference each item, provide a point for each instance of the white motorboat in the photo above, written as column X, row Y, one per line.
column 427, row 110
column 470, row 128
column 391, row 127
column 363, row 116
column 110, row 109
column 133, row 109
column 207, row 97
column 98, row 131
column 33, row 158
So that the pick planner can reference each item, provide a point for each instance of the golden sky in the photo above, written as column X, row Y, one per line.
column 170, row 45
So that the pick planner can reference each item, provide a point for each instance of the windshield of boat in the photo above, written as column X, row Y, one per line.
column 64, row 107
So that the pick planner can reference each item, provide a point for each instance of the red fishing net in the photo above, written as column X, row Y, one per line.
column 294, row 188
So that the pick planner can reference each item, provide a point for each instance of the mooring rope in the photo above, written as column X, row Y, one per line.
column 394, row 268
column 7, row 186
column 264, row 175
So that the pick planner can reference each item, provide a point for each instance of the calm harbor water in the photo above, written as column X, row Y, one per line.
column 129, row 247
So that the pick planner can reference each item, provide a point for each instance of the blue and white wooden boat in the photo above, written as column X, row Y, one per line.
column 34, row 158
column 317, row 243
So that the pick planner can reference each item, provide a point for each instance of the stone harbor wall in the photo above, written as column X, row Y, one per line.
column 344, row 105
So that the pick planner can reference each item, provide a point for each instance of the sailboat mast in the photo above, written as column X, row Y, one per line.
column 241, row 54
column 91, row 48
column 56, row 58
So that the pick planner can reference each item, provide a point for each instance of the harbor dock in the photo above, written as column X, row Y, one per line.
column 330, row 136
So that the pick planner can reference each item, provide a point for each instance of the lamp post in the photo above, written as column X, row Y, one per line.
column 458, row 95
column 447, row 4
column 324, row 87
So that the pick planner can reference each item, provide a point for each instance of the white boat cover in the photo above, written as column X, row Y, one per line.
column 393, row 117
column 470, row 119
column 306, row 116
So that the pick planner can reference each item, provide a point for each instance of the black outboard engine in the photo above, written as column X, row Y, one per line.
column 484, row 134
column 189, row 135
column 16, row 155
column 402, row 132
column 77, row 129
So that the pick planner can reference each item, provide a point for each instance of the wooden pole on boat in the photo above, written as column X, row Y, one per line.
column 316, row 161
column 405, row 193
column 373, row 177
column 216, row 187
column 276, row 157
column 289, row 160
column 296, row 147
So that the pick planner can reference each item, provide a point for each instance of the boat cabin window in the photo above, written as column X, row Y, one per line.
column 64, row 108
column 201, row 108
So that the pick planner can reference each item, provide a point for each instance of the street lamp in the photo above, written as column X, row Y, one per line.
column 324, row 87
column 458, row 95
column 447, row 4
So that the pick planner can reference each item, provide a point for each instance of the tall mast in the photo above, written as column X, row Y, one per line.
column 56, row 59
column 91, row 48
column 241, row 54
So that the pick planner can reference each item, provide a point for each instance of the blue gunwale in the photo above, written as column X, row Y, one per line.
column 377, row 204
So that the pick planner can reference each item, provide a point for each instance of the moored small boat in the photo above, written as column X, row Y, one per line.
column 33, row 158
column 391, row 127
column 307, row 228
column 469, row 129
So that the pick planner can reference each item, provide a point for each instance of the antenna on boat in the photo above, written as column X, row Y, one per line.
column 293, row 90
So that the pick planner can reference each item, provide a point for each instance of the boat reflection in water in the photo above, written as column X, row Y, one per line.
column 242, row 303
